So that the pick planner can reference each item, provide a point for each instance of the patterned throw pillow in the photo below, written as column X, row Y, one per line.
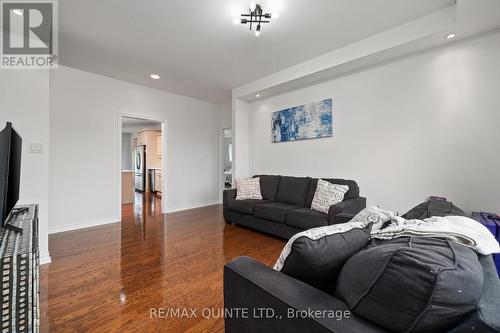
column 248, row 188
column 374, row 215
column 327, row 194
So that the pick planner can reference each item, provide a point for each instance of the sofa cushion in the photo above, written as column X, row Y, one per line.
column 244, row 206
column 274, row 211
column 306, row 218
column 412, row 284
column 293, row 190
column 316, row 256
column 269, row 186
column 352, row 193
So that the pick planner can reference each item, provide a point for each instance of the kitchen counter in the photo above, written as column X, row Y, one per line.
column 156, row 179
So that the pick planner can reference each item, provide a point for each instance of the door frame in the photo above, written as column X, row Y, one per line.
column 164, row 194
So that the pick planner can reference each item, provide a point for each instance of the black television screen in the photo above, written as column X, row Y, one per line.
column 10, row 170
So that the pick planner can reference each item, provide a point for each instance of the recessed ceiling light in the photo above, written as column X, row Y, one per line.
column 275, row 15
column 18, row 12
column 236, row 21
column 257, row 95
column 155, row 76
column 450, row 36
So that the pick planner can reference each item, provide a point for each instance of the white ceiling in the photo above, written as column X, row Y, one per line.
column 197, row 50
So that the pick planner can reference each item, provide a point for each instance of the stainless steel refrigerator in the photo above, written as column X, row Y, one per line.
column 140, row 168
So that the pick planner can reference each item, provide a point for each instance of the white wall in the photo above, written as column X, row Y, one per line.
column 225, row 115
column 84, row 154
column 241, row 142
column 24, row 101
column 425, row 125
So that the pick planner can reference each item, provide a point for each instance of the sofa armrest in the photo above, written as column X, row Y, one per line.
column 229, row 194
column 226, row 196
column 260, row 299
column 350, row 206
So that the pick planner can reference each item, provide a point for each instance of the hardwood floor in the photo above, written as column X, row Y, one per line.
column 107, row 278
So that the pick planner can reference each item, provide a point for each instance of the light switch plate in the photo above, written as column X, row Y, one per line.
column 35, row 147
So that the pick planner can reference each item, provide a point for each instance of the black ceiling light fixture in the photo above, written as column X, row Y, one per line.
column 255, row 17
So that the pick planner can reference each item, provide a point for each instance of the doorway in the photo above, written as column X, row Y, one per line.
column 142, row 166
column 226, row 159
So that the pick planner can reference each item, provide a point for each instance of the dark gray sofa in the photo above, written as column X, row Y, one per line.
column 252, row 286
column 285, row 208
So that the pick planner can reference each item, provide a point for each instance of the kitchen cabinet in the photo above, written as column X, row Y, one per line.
column 149, row 138
column 142, row 138
column 158, row 181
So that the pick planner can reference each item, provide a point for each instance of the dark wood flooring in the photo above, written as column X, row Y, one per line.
column 107, row 278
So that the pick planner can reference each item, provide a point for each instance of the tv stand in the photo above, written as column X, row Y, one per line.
column 16, row 211
column 19, row 271
column 19, row 210
column 13, row 228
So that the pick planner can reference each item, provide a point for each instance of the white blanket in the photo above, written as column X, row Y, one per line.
column 386, row 225
column 459, row 229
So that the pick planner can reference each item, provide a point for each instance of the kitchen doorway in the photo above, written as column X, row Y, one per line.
column 226, row 159
column 142, row 166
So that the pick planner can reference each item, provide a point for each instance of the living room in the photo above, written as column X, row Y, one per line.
column 395, row 114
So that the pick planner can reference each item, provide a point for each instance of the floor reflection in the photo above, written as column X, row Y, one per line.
column 145, row 203
column 142, row 254
column 108, row 278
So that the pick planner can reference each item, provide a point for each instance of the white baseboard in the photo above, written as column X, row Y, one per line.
column 84, row 224
column 45, row 260
column 188, row 207
column 98, row 222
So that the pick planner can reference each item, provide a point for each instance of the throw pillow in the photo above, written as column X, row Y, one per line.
column 316, row 256
column 327, row 194
column 412, row 284
column 248, row 188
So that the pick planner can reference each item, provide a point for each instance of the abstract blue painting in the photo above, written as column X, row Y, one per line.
column 309, row 121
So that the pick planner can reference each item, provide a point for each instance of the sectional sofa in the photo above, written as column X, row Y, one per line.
column 248, row 284
column 285, row 208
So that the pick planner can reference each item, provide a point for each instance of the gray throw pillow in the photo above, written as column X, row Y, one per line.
column 317, row 255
